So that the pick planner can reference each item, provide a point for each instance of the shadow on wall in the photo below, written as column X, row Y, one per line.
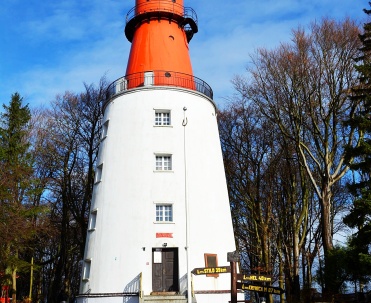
column 183, row 285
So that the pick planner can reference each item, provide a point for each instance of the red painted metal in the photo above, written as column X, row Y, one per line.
column 160, row 42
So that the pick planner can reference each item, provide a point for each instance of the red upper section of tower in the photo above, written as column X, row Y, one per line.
column 143, row 6
column 160, row 31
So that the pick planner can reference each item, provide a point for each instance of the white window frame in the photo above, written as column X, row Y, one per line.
column 86, row 270
column 162, row 117
column 121, row 85
column 98, row 173
column 148, row 78
column 105, row 129
column 166, row 214
column 163, row 162
column 93, row 219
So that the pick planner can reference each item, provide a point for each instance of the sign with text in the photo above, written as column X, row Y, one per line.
column 259, row 288
column 255, row 278
column 164, row 235
column 211, row 270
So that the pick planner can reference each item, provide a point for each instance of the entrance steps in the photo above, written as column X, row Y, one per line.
column 171, row 298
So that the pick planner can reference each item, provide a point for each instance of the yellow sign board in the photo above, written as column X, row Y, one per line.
column 255, row 278
column 259, row 288
column 211, row 270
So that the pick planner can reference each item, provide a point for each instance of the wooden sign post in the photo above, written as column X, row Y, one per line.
column 244, row 281
column 233, row 258
column 240, row 281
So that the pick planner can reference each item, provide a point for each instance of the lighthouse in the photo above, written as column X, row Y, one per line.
column 160, row 205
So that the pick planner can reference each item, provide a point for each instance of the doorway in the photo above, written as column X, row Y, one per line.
column 165, row 276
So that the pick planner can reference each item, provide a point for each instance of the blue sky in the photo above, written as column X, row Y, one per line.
column 48, row 47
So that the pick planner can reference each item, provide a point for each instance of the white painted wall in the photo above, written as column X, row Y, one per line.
column 125, row 198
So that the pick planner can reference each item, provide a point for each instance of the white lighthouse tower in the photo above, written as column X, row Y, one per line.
column 160, row 204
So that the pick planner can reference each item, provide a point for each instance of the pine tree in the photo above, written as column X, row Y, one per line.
column 16, row 177
column 359, row 216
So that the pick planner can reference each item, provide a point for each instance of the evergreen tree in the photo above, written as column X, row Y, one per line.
column 16, row 177
column 359, row 216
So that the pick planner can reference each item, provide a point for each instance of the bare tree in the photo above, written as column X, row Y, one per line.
column 302, row 87
column 269, row 193
column 68, row 147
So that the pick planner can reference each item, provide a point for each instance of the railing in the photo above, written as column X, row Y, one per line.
column 161, row 6
column 157, row 78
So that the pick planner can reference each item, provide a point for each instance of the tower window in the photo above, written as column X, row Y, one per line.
column 98, row 173
column 211, row 260
column 163, row 162
column 164, row 213
column 148, row 78
column 93, row 220
column 105, row 129
column 162, row 118
column 86, row 271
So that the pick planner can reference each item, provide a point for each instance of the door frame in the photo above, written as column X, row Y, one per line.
column 175, row 268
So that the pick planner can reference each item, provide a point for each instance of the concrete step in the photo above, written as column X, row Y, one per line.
column 170, row 298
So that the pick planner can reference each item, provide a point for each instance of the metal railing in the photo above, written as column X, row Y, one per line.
column 161, row 6
column 157, row 78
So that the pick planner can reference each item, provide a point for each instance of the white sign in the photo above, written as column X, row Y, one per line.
column 157, row 257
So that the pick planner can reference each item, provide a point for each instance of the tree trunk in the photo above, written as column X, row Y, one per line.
column 327, row 237
column 280, row 276
column 31, row 280
column 14, row 285
column 296, row 286
column 326, row 217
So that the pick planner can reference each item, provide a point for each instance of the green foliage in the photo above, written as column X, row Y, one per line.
column 55, row 148
column 15, row 159
column 16, row 173
column 14, row 131
column 358, row 264
column 345, row 264
column 334, row 273
column 359, row 217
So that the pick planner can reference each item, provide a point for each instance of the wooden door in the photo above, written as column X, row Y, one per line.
column 165, row 270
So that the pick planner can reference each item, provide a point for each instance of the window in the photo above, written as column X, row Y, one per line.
column 121, row 85
column 162, row 118
column 163, row 162
column 148, row 78
column 93, row 219
column 86, row 271
column 211, row 260
column 98, row 173
column 105, row 129
column 164, row 213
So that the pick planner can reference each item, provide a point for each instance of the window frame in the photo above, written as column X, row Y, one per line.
column 99, row 173
column 105, row 129
column 160, row 122
column 166, row 166
column 163, row 211
column 93, row 219
column 209, row 262
column 86, row 270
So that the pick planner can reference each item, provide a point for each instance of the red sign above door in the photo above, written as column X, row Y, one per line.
column 164, row 235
